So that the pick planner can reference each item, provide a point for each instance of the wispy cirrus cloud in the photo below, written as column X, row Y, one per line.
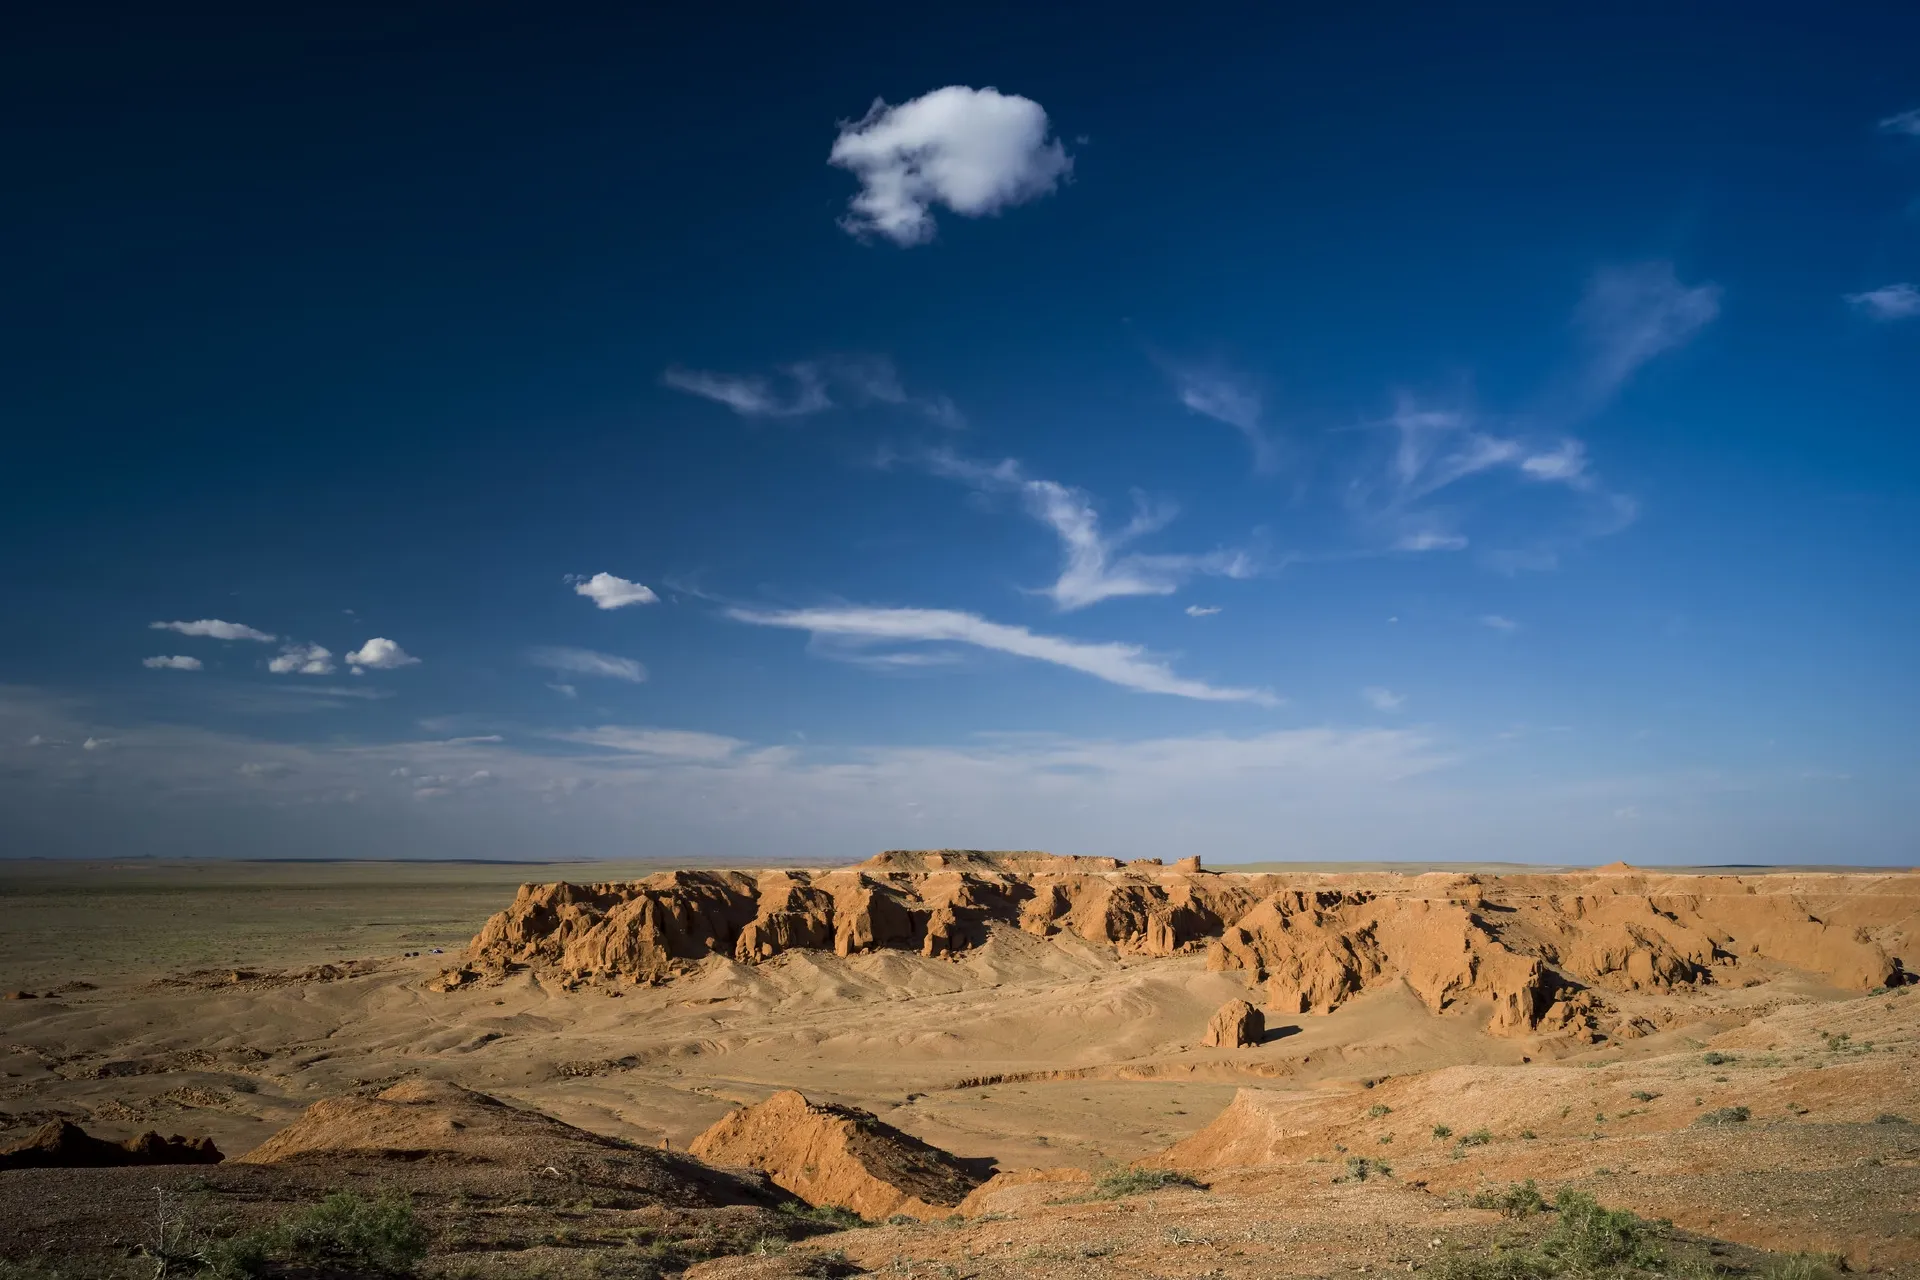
column 814, row 386
column 1888, row 302
column 1202, row 610
column 1631, row 314
column 752, row 396
column 1126, row 665
column 1216, row 394
column 587, row 662
column 1096, row 564
column 214, row 629
column 668, row 744
column 173, row 662
column 1498, row 622
column 1382, row 699
column 1906, row 123
column 972, row 151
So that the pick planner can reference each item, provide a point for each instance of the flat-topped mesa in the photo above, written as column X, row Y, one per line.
column 1539, row 950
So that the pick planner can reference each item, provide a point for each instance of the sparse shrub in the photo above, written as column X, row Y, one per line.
column 1590, row 1240
column 1378, row 1110
column 345, row 1232
column 1528, row 1134
column 1442, row 1131
column 1888, row 1117
column 1724, row 1116
column 1359, row 1168
column 1386, row 1139
column 1806, row 1266
column 1718, row 1059
column 1115, row 1183
column 1478, row 1138
column 1641, row 1095
column 1520, row 1200
column 826, row 1215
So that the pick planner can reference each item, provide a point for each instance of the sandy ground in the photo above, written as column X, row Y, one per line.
column 205, row 1010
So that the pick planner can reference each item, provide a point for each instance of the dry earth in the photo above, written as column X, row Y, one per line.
column 1025, row 1014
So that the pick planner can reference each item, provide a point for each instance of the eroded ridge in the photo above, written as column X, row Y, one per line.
column 1537, row 952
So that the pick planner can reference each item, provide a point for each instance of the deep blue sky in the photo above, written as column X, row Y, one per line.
column 1532, row 395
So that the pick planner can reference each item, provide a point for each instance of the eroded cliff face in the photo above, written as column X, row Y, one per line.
column 1542, row 952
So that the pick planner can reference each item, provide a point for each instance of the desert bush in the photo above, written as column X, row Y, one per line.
column 1718, row 1059
column 1805, row 1266
column 825, row 1215
column 1115, row 1183
column 1442, row 1131
column 345, row 1232
column 1641, row 1095
column 1723, row 1116
column 1520, row 1200
column 1591, row 1240
column 1360, row 1168
column 1478, row 1138
column 1888, row 1117
column 1377, row 1110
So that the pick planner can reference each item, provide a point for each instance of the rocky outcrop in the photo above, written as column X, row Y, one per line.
column 59, row 1144
column 1535, row 951
column 838, row 1156
column 1236, row 1026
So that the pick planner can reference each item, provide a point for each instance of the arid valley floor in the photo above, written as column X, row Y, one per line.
column 1004, row 1061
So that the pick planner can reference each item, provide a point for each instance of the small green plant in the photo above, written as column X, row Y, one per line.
column 1806, row 1266
column 1442, row 1131
column 345, row 1232
column 826, row 1215
column 1359, row 1168
column 1478, row 1138
column 1115, row 1183
column 1520, row 1200
column 1889, row 1117
column 1718, row 1059
column 1386, row 1139
column 1641, row 1095
column 1378, row 1110
column 1724, row 1116
column 1528, row 1134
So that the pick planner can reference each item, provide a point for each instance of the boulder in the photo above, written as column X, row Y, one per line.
column 1236, row 1026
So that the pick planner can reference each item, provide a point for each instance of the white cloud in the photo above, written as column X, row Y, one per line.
column 304, row 660
column 610, row 592
column 1094, row 570
column 1632, row 314
column 1498, row 623
column 1906, row 122
column 974, row 151
column 264, row 769
column 177, row 662
column 380, row 654
column 1429, row 540
column 1383, row 699
column 1566, row 464
column 1224, row 399
column 585, row 662
column 565, row 690
column 754, row 397
column 96, row 744
column 1126, row 665
column 1202, row 610
column 673, row 744
column 1888, row 302
column 214, row 628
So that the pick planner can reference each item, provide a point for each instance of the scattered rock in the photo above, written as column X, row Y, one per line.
column 1237, row 1025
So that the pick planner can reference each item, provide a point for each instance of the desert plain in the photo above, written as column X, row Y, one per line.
column 965, row 1064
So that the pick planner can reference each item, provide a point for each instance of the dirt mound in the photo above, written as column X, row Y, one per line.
column 1237, row 1025
column 60, row 1144
column 437, row 1122
column 838, row 1156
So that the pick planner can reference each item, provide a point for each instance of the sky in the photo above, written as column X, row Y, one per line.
column 598, row 431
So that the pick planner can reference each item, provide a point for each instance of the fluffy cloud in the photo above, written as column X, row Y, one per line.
column 1225, row 399
column 1094, row 568
column 585, row 662
column 380, row 654
column 215, row 629
column 1126, row 665
column 177, row 662
column 303, row 660
column 1382, row 699
column 1888, row 302
column 609, row 592
column 1202, row 610
column 973, row 151
column 754, row 397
